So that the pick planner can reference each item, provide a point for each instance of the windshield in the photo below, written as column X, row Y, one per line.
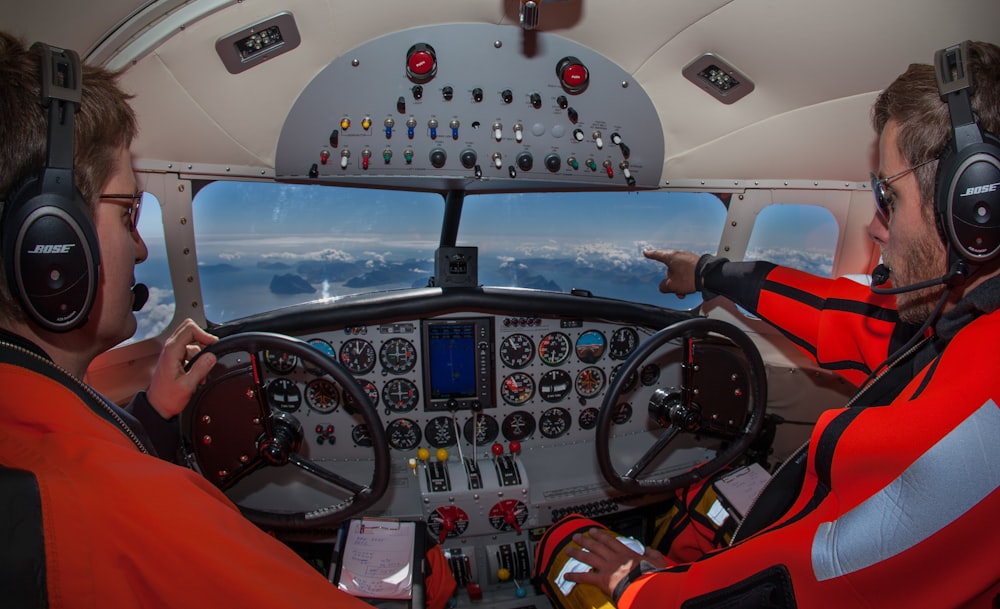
column 263, row 246
column 588, row 240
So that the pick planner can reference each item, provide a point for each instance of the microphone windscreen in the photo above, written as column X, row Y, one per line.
column 140, row 294
column 880, row 275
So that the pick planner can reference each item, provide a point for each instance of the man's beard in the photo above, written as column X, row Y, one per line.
column 924, row 260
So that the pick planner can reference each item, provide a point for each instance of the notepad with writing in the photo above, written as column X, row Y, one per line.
column 379, row 558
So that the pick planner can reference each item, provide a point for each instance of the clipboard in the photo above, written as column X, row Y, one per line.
column 740, row 488
column 381, row 559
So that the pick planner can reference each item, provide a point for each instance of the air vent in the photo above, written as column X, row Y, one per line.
column 718, row 78
column 254, row 44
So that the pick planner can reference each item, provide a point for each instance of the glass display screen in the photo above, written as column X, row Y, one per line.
column 452, row 357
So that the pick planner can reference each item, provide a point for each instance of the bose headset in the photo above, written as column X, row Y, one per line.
column 967, row 186
column 48, row 240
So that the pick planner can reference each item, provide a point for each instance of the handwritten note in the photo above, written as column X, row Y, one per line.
column 377, row 559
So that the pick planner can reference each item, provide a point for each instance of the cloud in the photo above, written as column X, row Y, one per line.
column 155, row 315
column 323, row 255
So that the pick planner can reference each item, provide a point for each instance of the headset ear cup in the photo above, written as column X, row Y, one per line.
column 942, row 186
column 967, row 199
column 50, row 254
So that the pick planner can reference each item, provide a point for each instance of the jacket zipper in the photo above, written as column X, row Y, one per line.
column 88, row 390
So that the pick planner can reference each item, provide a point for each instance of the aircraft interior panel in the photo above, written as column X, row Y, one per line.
column 472, row 107
column 424, row 236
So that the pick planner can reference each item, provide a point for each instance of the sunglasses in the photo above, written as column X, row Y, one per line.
column 133, row 202
column 885, row 199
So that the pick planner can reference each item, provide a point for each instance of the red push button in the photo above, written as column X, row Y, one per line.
column 421, row 62
column 573, row 75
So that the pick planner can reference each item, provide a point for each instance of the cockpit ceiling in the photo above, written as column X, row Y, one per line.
column 816, row 67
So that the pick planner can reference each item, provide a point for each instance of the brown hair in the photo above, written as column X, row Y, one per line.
column 913, row 101
column 103, row 126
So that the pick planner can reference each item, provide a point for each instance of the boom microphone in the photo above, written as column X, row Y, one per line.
column 880, row 274
column 140, row 294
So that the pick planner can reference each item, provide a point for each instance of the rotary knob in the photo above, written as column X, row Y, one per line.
column 468, row 158
column 524, row 161
column 508, row 514
column 438, row 157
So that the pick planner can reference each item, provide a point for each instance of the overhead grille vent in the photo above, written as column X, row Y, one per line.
column 718, row 78
column 254, row 44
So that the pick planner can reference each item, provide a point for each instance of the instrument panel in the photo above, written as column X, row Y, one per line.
column 459, row 384
column 490, row 416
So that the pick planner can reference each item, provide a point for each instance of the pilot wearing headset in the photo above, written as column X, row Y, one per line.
column 894, row 500
column 89, row 516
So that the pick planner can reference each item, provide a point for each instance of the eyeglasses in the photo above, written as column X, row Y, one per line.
column 885, row 200
column 133, row 202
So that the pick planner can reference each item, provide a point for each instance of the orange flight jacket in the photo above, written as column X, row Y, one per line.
column 109, row 526
column 900, row 499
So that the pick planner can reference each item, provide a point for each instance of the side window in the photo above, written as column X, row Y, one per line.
column 156, row 314
column 799, row 236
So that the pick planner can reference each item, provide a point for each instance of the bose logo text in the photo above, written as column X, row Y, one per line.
column 52, row 249
column 978, row 190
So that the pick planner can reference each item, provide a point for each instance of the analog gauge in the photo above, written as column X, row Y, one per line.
column 623, row 343
column 629, row 383
column 360, row 435
column 590, row 346
column 554, row 385
column 622, row 414
column 508, row 515
column 447, row 521
column 279, row 361
column 517, row 388
column 588, row 418
column 649, row 374
column 554, row 348
column 357, row 355
column 589, row 381
column 554, row 422
column 283, row 394
column 517, row 351
column 518, row 425
column 440, row 432
column 397, row 356
column 486, row 429
column 403, row 434
column 322, row 395
column 400, row 395
column 323, row 347
column 370, row 390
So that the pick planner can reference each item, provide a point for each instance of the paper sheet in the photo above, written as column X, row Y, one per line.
column 377, row 559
